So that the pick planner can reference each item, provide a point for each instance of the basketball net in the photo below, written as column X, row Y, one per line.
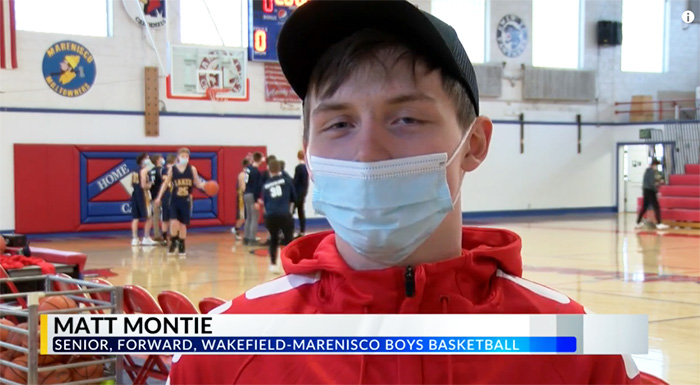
column 218, row 95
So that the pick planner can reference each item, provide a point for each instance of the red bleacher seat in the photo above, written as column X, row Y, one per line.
column 210, row 303
column 680, row 191
column 675, row 203
column 685, row 179
column 174, row 302
column 680, row 199
column 692, row 168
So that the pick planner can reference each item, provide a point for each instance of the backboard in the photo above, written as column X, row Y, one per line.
column 194, row 69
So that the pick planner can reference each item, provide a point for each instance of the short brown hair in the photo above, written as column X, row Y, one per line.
column 282, row 164
column 183, row 150
column 367, row 46
column 245, row 162
column 155, row 157
column 257, row 157
column 300, row 155
column 170, row 159
column 273, row 166
column 141, row 157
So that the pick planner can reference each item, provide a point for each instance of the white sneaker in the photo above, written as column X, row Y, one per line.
column 640, row 225
column 148, row 241
column 662, row 226
column 274, row 269
column 135, row 242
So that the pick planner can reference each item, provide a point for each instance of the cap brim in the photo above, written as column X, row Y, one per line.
column 319, row 24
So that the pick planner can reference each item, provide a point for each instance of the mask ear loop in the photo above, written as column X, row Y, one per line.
column 453, row 156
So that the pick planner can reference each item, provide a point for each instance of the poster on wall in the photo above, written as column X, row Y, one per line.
column 511, row 36
column 152, row 10
column 69, row 68
column 277, row 88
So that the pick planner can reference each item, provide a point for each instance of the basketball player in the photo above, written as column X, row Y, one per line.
column 165, row 204
column 156, row 176
column 301, row 186
column 253, row 190
column 278, row 199
column 240, row 215
column 391, row 128
column 141, row 202
column 266, row 173
column 183, row 177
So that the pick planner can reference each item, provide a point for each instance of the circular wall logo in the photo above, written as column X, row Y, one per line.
column 511, row 36
column 69, row 68
column 153, row 10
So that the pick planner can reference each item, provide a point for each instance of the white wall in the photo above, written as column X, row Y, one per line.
column 550, row 173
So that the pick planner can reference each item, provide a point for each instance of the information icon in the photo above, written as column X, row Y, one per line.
column 688, row 17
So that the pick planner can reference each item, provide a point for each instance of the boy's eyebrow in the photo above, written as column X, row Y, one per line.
column 414, row 97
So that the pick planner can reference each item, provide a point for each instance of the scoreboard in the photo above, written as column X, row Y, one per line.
column 266, row 18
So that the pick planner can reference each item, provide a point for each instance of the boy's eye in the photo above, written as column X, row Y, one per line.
column 338, row 126
column 406, row 120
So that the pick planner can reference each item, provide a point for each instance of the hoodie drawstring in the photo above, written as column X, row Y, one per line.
column 450, row 380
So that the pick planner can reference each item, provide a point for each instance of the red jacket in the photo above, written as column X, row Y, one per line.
column 485, row 279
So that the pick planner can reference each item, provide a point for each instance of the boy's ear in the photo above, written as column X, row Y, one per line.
column 479, row 142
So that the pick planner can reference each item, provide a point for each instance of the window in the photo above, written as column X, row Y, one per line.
column 72, row 17
column 214, row 22
column 468, row 18
column 556, row 33
column 643, row 35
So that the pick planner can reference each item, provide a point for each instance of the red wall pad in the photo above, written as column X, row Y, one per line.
column 66, row 188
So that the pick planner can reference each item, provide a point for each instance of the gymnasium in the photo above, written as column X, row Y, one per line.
column 588, row 100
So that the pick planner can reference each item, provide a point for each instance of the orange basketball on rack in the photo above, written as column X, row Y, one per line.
column 16, row 375
column 86, row 372
column 58, row 376
column 7, row 355
column 4, row 333
column 45, row 359
column 211, row 188
column 16, row 338
column 3, row 244
column 59, row 302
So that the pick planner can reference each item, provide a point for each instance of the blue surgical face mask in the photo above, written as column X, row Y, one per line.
column 384, row 210
column 182, row 160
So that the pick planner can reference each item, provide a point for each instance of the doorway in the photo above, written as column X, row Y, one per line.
column 633, row 160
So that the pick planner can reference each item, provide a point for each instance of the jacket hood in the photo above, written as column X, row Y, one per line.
column 437, row 287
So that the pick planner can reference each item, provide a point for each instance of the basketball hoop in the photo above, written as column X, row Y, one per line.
column 217, row 94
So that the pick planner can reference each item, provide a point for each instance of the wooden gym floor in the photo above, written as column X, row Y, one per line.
column 599, row 261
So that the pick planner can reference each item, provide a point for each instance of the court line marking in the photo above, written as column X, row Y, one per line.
column 627, row 296
column 675, row 319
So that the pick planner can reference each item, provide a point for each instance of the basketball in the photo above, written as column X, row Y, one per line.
column 4, row 333
column 7, row 355
column 59, row 302
column 16, row 375
column 86, row 372
column 58, row 376
column 211, row 188
column 44, row 359
column 16, row 338
column 3, row 245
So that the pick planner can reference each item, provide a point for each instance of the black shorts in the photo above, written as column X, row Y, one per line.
column 165, row 204
column 181, row 210
column 140, row 206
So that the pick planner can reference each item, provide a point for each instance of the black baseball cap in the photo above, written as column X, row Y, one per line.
column 319, row 24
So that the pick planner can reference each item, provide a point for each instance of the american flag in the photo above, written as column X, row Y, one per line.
column 8, row 40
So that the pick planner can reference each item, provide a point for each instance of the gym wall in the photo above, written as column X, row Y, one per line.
column 549, row 174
